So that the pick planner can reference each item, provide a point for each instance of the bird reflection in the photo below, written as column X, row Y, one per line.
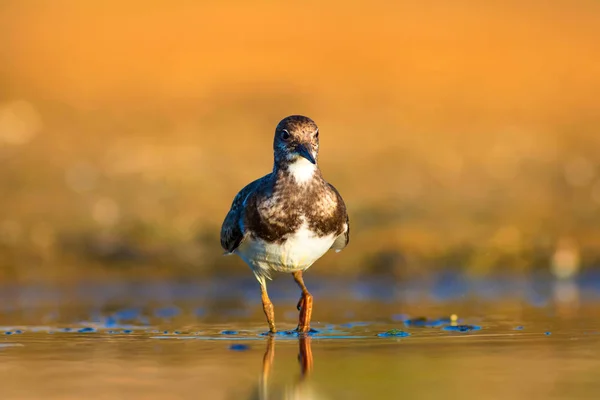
column 299, row 388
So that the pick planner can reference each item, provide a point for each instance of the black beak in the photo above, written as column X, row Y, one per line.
column 306, row 153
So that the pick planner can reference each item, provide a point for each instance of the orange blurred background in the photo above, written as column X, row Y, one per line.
column 461, row 134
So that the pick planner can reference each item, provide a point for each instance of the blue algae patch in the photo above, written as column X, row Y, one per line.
column 87, row 330
column 239, row 347
column 177, row 332
column 423, row 322
column 393, row 333
column 15, row 332
column 353, row 324
column 461, row 328
column 110, row 322
column 127, row 331
column 519, row 328
column 229, row 332
column 167, row 312
column 548, row 333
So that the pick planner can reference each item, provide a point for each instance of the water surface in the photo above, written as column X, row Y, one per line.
column 168, row 340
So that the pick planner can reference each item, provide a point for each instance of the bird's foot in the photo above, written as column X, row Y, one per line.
column 303, row 328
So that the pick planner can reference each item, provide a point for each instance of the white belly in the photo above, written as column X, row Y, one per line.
column 297, row 253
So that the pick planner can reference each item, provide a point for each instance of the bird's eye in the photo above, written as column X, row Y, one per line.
column 285, row 135
column 317, row 135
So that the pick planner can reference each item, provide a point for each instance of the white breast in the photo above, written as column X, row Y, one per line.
column 302, row 170
column 298, row 252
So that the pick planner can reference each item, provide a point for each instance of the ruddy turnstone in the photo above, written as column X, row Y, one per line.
column 287, row 220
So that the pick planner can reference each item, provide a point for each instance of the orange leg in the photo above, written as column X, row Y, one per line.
column 304, row 305
column 268, row 307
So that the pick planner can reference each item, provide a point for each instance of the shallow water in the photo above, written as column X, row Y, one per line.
column 513, row 338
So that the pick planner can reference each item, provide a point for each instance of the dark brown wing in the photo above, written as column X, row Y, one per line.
column 344, row 237
column 232, row 230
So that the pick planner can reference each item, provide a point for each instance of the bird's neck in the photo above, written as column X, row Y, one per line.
column 299, row 170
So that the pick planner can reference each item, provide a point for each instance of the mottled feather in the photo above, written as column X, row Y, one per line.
column 344, row 238
column 232, row 230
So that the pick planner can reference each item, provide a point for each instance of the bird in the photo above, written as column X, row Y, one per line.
column 289, row 218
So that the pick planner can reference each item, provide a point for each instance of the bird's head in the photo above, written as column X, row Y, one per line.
column 296, row 140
